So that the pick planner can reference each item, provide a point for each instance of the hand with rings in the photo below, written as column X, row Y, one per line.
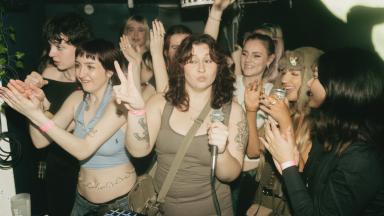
column 277, row 109
column 131, row 53
column 252, row 96
column 157, row 38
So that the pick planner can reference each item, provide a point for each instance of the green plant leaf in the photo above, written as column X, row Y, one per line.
column 19, row 64
column 2, row 73
column 3, row 49
column 19, row 55
column 3, row 61
column 12, row 36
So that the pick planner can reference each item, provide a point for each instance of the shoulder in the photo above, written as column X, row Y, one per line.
column 237, row 113
column 359, row 161
column 50, row 72
column 76, row 96
column 156, row 101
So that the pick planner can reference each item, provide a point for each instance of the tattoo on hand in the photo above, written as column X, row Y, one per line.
column 145, row 135
column 242, row 134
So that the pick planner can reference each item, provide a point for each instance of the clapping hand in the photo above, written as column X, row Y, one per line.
column 22, row 98
column 127, row 92
column 35, row 79
column 252, row 96
column 282, row 147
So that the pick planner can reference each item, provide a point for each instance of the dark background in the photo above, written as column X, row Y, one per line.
column 306, row 23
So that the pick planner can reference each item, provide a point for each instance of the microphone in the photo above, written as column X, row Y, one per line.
column 216, row 116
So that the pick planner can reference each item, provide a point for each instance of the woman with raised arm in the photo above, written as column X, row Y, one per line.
column 106, row 174
column 199, row 76
column 344, row 173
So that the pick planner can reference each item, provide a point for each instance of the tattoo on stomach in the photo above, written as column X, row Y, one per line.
column 97, row 186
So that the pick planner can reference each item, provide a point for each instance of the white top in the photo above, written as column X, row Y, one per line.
column 260, row 115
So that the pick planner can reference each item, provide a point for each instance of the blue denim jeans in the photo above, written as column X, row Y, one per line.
column 83, row 207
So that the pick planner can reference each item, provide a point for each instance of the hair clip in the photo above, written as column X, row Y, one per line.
column 293, row 60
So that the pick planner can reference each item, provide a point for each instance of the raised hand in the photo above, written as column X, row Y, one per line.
column 127, row 92
column 157, row 38
column 277, row 109
column 252, row 96
column 131, row 53
column 222, row 4
column 35, row 79
column 218, row 136
column 18, row 100
column 282, row 149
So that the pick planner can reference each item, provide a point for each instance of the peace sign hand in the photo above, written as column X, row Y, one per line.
column 127, row 92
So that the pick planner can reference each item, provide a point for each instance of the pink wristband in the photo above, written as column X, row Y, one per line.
column 46, row 126
column 137, row 112
column 287, row 164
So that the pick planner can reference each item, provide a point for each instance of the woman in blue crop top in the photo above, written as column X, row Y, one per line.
column 106, row 174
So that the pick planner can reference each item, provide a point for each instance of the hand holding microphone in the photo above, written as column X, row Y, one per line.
column 217, row 133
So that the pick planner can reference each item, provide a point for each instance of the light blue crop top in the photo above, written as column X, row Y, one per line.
column 113, row 151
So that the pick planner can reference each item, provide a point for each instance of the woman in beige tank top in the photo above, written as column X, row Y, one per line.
column 200, row 75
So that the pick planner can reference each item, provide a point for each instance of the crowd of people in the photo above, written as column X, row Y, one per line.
column 95, row 107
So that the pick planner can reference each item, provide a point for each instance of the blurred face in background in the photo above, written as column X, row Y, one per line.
column 136, row 32
column 174, row 42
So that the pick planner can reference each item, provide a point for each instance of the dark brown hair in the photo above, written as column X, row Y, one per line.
column 222, row 87
column 105, row 52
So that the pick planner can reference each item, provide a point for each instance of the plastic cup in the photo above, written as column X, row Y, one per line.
column 21, row 204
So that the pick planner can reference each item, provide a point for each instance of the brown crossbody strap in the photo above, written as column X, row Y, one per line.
column 181, row 153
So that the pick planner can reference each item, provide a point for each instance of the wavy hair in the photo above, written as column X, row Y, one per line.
column 71, row 25
column 106, row 53
column 353, row 80
column 222, row 87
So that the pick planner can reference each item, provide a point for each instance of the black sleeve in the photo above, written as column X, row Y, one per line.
column 345, row 190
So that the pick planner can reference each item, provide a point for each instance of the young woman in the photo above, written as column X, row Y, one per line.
column 106, row 174
column 58, row 80
column 198, row 76
column 296, row 69
column 345, row 174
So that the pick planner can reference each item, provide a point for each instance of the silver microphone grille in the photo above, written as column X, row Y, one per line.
column 217, row 115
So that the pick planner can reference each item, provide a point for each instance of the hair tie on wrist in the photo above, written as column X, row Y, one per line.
column 137, row 112
column 46, row 126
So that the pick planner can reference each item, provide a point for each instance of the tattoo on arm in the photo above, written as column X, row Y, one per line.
column 241, row 138
column 145, row 135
